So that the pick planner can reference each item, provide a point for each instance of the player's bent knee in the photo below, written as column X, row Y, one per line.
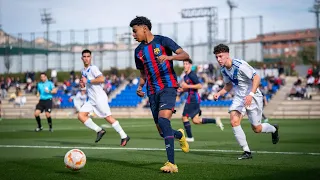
column 235, row 122
column 196, row 121
column 235, row 119
column 185, row 119
column 166, row 113
column 256, row 129
column 82, row 116
column 110, row 119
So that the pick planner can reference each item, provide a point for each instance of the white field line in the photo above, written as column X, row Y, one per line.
column 154, row 149
column 107, row 126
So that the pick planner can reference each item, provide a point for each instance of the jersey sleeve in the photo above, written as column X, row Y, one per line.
column 167, row 42
column 247, row 70
column 137, row 55
column 226, row 78
column 95, row 71
column 194, row 78
column 52, row 85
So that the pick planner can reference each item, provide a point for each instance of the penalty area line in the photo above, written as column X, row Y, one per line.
column 154, row 149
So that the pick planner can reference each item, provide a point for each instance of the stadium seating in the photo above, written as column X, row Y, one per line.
column 127, row 97
column 223, row 103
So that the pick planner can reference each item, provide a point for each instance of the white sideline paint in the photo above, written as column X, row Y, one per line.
column 154, row 149
column 107, row 126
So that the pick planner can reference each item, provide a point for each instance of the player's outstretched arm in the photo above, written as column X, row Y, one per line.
column 227, row 87
column 255, row 83
column 191, row 86
column 97, row 80
column 181, row 55
column 182, row 87
column 54, row 91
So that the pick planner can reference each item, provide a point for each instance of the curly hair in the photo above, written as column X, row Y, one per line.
column 141, row 20
column 221, row 48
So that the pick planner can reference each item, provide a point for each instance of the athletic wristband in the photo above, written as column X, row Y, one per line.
column 88, row 81
column 84, row 88
column 251, row 94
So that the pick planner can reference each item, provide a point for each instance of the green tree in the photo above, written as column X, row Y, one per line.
column 307, row 54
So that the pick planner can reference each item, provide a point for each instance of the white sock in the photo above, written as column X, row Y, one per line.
column 268, row 128
column 116, row 126
column 90, row 124
column 241, row 137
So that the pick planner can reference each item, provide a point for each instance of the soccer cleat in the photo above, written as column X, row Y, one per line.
column 219, row 123
column 51, row 129
column 38, row 129
column 245, row 155
column 124, row 141
column 100, row 134
column 190, row 139
column 275, row 135
column 169, row 168
column 183, row 142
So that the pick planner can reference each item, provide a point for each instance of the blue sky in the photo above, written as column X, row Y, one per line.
column 24, row 15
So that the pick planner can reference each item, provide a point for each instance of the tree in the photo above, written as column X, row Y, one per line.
column 307, row 55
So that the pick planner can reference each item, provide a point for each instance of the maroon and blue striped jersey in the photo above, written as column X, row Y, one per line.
column 193, row 95
column 158, row 75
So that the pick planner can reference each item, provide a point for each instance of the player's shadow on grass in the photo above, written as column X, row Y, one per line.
column 69, row 143
column 126, row 163
column 214, row 154
column 151, row 138
column 67, row 171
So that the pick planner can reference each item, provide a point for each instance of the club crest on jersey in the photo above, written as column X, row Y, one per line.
column 188, row 81
column 156, row 51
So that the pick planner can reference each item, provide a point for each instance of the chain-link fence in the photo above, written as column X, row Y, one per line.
column 112, row 47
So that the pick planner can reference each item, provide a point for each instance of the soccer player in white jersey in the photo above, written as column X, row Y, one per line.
column 248, row 98
column 97, row 101
column 79, row 99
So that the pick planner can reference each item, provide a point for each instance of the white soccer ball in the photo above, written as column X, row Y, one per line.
column 75, row 159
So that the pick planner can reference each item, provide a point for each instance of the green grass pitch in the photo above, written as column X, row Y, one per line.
column 25, row 154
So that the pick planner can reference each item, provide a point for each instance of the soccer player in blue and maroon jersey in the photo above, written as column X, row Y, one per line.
column 192, row 109
column 153, row 58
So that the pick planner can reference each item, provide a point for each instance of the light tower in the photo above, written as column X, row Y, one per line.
column 212, row 23
column 47, row 20
column 231, row 5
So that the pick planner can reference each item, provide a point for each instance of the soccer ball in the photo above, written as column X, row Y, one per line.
column 75, row 159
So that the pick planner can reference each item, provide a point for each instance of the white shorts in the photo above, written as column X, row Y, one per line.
column 100, row 108
column 77, row 104
column 254, row 111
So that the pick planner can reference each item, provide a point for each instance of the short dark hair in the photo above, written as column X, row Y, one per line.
column 86, row 51
column 43, row 73
column 188, row 60
column 141, row 20
column 221, row 48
